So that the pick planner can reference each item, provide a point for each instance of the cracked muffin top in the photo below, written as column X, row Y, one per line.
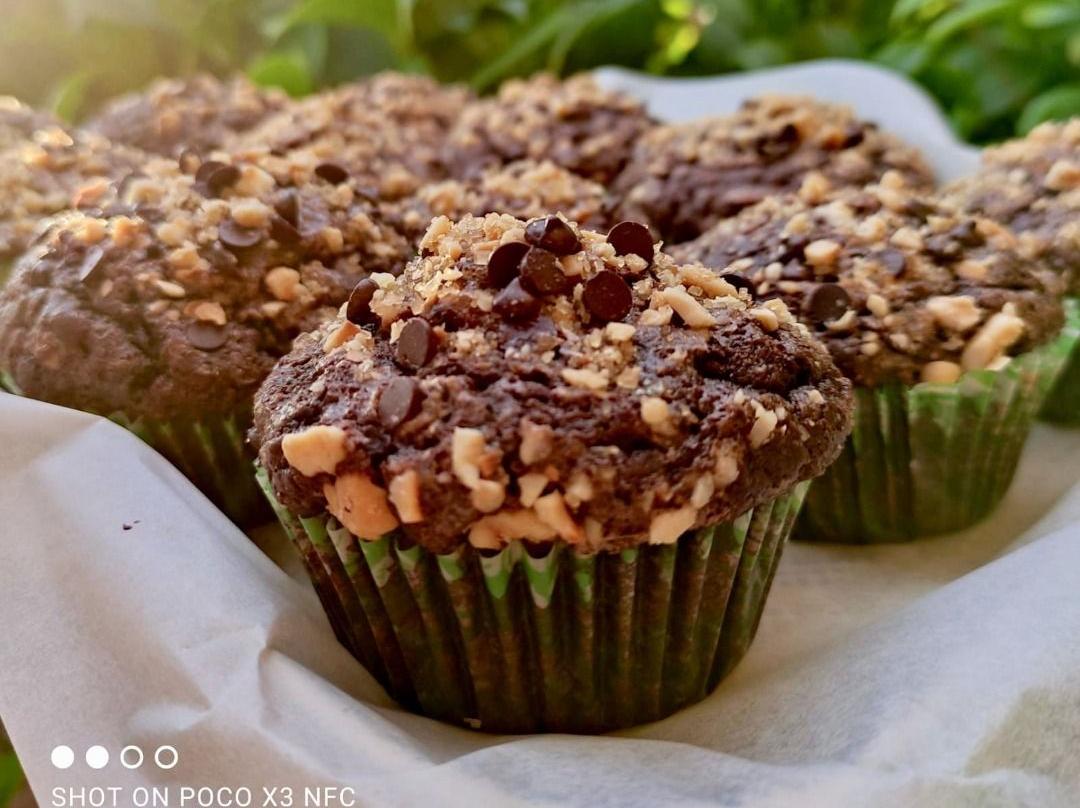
column 536, row 381
column 387, row 131
column 1032, row 184
column 525, row 189
column 899, row 286
column 201, row 113
column 683, row 178
column 174, row 296
column 573, row 123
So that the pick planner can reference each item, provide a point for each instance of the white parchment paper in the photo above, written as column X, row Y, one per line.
column 939, row 673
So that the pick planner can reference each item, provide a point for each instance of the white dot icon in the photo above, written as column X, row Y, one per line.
column 62, row 757
column 97, row 757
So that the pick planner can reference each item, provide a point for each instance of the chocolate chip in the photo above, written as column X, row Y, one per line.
column 853, row 136
column 189, row 161
column 213, row 177
column 416, row 343
column 739, row 282
column 606, row 296
column 967, row 234
column 541, row 273
column 287, row 206
column 826, row 302
column 332, row 173
column 632, row 238
column 894, row 261
column 552, row 233
column 237, row 236
column 943, row 248
column 282, row 232
column 359, row 310
column 205, row 336
column 399, row 401
column 516, row 304
column 503, row 264
column 778, row 143
column 88, row 269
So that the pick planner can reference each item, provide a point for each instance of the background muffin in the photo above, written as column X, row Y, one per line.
column 168, row 308
column 583, row 393
column 201, row 113
column 682, row 178
column 938, row 320
column 573, row 123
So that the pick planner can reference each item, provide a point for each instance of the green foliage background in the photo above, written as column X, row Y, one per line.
column 997, row 66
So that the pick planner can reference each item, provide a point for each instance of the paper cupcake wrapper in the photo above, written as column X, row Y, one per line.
column 563, row 642
column 929, row 458
column 1063, row 401
column 211, row 452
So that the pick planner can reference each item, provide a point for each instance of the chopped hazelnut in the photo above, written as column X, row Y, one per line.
column 249, row 213
column 691, row 311
column 619, row 332
column 170, row 289
column 995, row 337
column 667, row 526
column 283, row 283
column 315, row 450
column 467, row 449
column 405, row 496
column 536, row 441
column 531, row 486
column 488, row 496
column 822, row 253
column 955, row 313
column 209, row 312
column 341, row 335
column 766, row 318
column 941, row 372
column 585, row 378
column 552, row 511
column 360, row 505
column 703, row 492
column 656, row 413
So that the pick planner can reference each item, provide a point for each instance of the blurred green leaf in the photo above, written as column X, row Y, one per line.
column 69, row 97
column 1056, row 104
column 287, row 70
column 1051, row 15
column 11, row 778
column 967, row 15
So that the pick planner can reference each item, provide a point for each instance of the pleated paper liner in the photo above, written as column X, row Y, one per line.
column 561, row 642
column 1063, row 402
column 929, row 458
column 212, row 453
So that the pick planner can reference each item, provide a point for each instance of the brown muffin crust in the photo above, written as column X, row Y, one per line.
column 49, row 169
column 683, row 178
column 898, row 286
column 387, row 131
column 537, row 381
column 573, row 123
column 177, row 295
column 525, row 189
column 1032, row 184
column 18, row 122
column 201, row 113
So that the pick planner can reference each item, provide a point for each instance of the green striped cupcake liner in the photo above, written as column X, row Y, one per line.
column 211, row 452
column 1063, row 402
column 520, row 642
column 930, row 458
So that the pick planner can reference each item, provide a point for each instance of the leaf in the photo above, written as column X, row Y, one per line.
column 69, row 97
column 1056, row 104
column 1051, row 15
column 378, row 15
column 285, row 69
column 966, row 16
column 532, row 43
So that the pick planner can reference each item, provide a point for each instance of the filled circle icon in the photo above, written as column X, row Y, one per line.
column 62, row 757
column 97, row 757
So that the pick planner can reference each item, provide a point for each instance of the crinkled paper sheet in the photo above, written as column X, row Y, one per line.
column 939, row 673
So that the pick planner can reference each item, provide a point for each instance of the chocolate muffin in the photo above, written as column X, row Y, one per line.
column 617, row 412
column 167, row 308
column 386, row 131
column 45, row 168
column 525, row 189
column 938, row 319
column 573, row 123
column 683, row 178
column 200, row 113
column 18, row 122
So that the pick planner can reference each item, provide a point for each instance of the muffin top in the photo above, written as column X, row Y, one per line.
column 46, row 168
column 387, row 131
column 525, row 189
column 1033, row 185
column 200, row 113
column 18, row 122
column 573, row 123
column 684, row 177
column 175, row 297
column 898, row 286
column 537, row 381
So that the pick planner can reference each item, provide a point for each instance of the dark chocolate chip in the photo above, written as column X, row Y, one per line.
column 943, row 248
column 541, row 273
column 553, row 234
column 213, row 177
column 359, row 310
column 894, row 261
column 205, row 336
column 237, row 236
column 416, row 343
column 606, row 296
column 515, row 304
column 89, row 268
column 778, row 143
column 287, row 207
column 503, row 264
column 632, row 238
column 826, row 302
column 739, row 282
column 282, row 232
column 853, row 136
column 967, row 234
column 399, row 401
column 189, row 161
column 332, row 172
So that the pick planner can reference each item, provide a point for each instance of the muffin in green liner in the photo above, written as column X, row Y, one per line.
column 165, row 309
column 944, row 325
column 1032, row 185
column 1063, row 401
column 542, row 481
